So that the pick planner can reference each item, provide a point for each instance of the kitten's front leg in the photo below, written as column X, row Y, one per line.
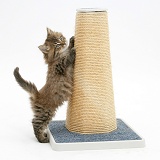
column 65, row 62
column 72, row 56
column 70, row 59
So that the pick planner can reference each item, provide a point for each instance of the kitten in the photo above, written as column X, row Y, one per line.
column 58, row 87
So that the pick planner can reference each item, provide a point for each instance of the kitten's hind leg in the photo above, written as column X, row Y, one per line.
column 40, row 121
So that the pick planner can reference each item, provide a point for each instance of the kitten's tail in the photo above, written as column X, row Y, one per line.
column 27, row 86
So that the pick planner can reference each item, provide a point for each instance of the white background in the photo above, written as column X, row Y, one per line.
column 135, row 51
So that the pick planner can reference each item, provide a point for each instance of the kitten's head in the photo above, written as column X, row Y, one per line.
column 53, row 46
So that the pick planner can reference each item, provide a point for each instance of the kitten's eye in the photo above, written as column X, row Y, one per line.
column 61, row 38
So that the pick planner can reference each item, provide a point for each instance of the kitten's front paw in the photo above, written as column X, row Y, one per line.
column 71, row 42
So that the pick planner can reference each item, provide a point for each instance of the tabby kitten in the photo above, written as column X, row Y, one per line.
column 58, row 87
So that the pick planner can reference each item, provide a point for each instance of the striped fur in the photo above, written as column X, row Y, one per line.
column 58, row 87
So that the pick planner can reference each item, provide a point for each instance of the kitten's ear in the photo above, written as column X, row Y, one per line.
column 49, row 31
column 43, row 48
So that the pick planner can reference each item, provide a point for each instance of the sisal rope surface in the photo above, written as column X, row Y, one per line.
column 91, row 107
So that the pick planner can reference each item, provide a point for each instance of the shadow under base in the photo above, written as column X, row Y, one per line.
column 63, row 140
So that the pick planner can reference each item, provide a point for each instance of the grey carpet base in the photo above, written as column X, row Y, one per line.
column 123, row 133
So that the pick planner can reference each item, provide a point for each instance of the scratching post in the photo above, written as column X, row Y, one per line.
column 91, row 122
column 91, row 107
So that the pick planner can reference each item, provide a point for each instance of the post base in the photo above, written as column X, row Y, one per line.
column 63, row 140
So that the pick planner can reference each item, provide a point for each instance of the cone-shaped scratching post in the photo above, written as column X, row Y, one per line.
column 91, row 107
